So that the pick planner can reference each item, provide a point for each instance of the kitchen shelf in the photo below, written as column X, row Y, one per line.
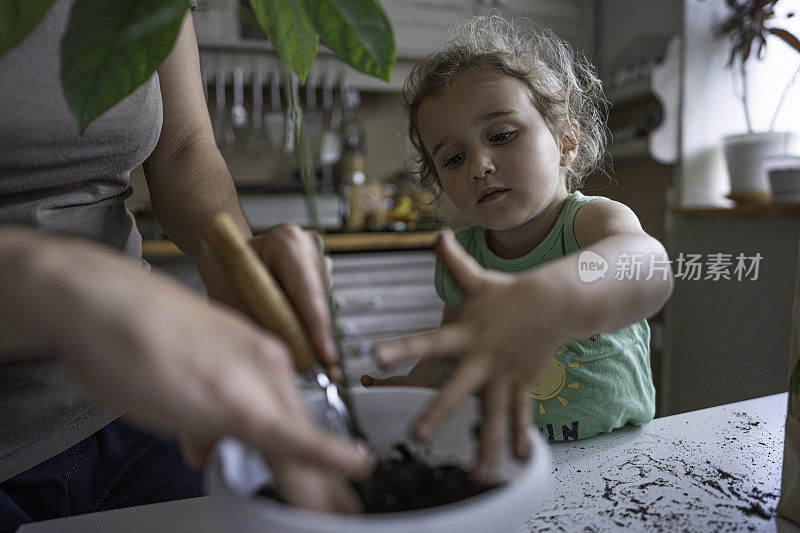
column 630, row 149
column 419, row 26
column 656, row 62
column 256, row 56
column 632, row 92
column 753, row 209
column 334, row 242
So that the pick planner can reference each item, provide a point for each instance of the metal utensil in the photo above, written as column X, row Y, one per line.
column 255, row 138
column 351, row 130
column 288, row 146
column 239, row 116
column 312, row 118
column 275, row 121
column 223, row 132
column 330, row 144
column 271, row 308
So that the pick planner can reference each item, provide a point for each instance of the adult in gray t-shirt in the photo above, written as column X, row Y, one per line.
column 61, row 184
column 136, row 341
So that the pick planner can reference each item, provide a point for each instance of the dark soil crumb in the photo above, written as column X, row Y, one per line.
column 755, row 509
column 408, row 483
column 659, row 488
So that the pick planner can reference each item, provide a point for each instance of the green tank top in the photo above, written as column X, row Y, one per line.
column 592, row 385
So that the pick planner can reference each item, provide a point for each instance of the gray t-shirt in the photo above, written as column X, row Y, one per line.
column 61, row 183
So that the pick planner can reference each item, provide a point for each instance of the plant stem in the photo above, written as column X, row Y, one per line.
column 743, row 67
column 786, row 89
column 310, row 187
column 301, row 145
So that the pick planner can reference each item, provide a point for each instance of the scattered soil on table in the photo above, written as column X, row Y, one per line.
column 659, row 489
column 408, row 483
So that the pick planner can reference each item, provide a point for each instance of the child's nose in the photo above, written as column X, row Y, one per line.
column 481, row 167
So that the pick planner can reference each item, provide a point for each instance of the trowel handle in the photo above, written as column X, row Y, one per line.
column 264, row 297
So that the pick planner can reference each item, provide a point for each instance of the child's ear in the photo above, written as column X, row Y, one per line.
column 569, row 144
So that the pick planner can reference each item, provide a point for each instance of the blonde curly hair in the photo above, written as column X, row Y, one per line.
column 563, row 84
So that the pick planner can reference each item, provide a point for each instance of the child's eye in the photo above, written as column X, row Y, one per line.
column 456, row 159
column 501, row 137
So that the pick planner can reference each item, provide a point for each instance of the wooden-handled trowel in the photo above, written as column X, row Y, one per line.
column 271, row 308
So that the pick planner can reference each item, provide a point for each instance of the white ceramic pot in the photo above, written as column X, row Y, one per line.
column 784, row 176
column 745, row 155
column 236, row 474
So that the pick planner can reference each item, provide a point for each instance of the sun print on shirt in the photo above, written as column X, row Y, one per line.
column 552, row 382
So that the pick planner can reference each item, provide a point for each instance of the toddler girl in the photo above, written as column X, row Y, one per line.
column 507, row 121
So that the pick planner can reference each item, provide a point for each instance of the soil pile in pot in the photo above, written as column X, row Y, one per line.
column 408, row 483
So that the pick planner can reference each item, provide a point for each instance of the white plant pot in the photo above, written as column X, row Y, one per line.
column 236, row 473
column 784, row 177
column 745, row 156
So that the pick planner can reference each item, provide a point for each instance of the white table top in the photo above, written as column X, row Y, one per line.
column 708, row 470
column 717, row 469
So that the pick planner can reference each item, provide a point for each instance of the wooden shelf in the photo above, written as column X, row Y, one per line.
column 630, row 149
column 637, row 90
column 633, row 102
column 353, row 242
column 336, row 242
column 754, row 209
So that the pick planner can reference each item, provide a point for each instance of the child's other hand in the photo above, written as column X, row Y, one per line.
column 507, row 329
column 429, row 373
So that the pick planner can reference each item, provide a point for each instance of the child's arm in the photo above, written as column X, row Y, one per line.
column 509, row 326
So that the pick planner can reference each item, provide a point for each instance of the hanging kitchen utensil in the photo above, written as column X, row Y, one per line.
column 330, row 144
column 272, row 309
column 352, row 131
column 223, row 132
column 239, row 115
column 312, row 117
column 275, row 120
column 255, row 138
column 216, row 122
column 288, row 145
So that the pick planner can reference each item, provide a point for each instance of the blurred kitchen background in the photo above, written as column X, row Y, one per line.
column 671, row 102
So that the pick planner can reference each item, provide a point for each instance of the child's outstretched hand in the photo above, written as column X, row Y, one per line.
column 431, row 373
column 506, row 331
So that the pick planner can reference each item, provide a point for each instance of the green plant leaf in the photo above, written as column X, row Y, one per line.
column 111, row 48
column 358, row 32
column 18, row 18
column 289, row 28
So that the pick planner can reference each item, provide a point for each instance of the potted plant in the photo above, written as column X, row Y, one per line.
column 105, row 56
column 747, row 27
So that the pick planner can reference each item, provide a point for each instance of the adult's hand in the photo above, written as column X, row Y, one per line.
column 507, row 329
column 294, row 256
column 174, row 362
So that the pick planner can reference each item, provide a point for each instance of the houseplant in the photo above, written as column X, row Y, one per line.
column 747, row 29
column 110, row 49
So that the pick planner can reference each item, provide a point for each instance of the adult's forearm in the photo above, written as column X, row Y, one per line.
column 188, row 187
column 52, row 287
column 23, row 327
column 622, row 296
